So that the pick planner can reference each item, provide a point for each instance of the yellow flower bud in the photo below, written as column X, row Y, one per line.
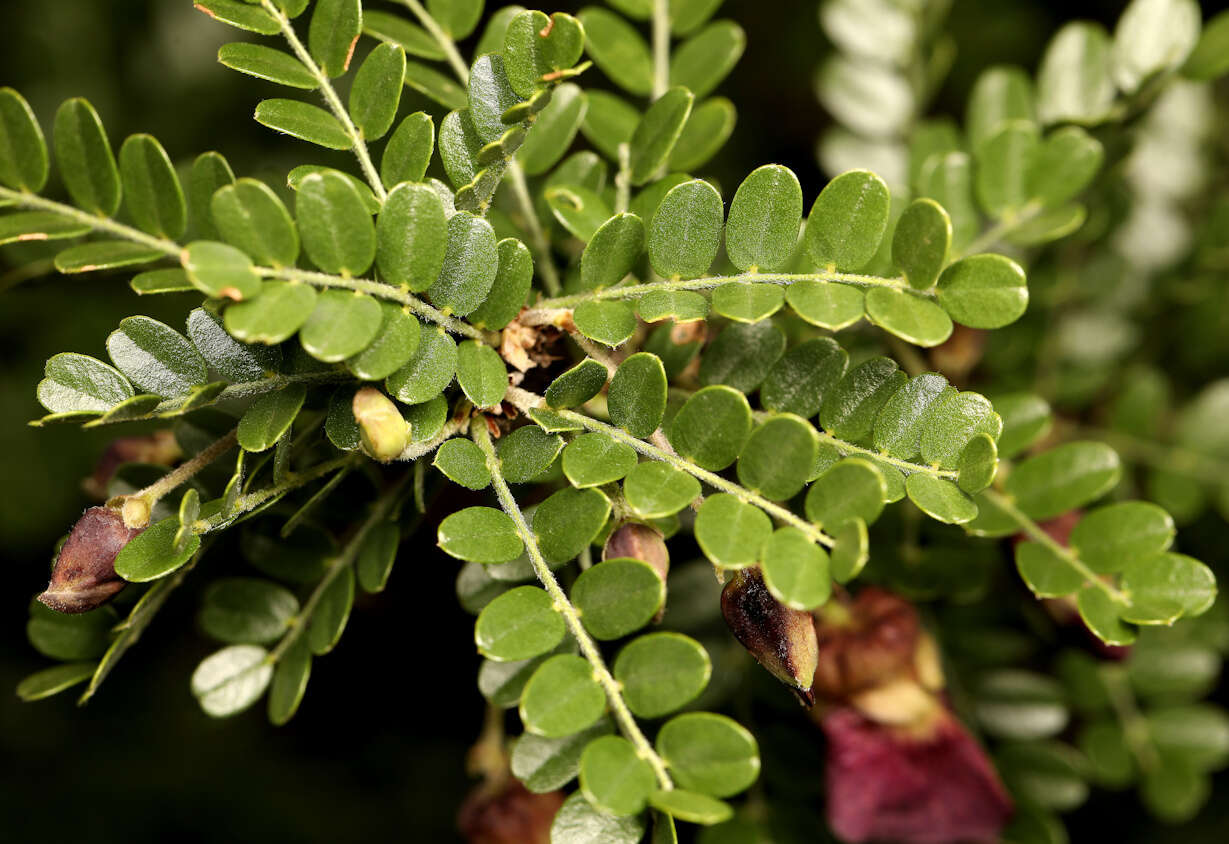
column 382, row 428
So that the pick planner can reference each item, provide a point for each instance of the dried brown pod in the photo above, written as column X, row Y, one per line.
column 864, row 642
column 158, row 448
column 84, row 577
column 507, row 813
column 781, row 639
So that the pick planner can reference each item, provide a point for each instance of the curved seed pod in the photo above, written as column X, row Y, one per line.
column 640, row 542
column 864, row 643
column 382, row 429
column 781, row 639
column 84, row 575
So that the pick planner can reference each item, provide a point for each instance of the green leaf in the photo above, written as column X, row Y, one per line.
column 1026, row 419
column 84, row 156
column 658, row 132
column 152, row 554
column 709, row 753
column 471, row 263
column 618, row 597
column 567, row 521
column 1197, row 734
column 762, row 228
column 1117, row 535
column 561, row 697
column 463, row 463
column 828, row 305
column 38, row 226
column 239, row 15
column 269, row 417
column 611, row 323
column 220, row 271
column 480, row 535
column 289, row 683
column 267, row 63
column 210, row 171
column 23, row 151
column 1103, row 616
column 578, row 822
column 661, row 672
column 458, row 18
column 376, row 556
column 614, row 778
column 342, row 324
column 335, row 224
column 1002, row 93
column 1175, row 790
column 609, row 122
column 1003, row 161
column 435, row 86
column 510, row 288
column 52, row 681
column 730, row 532
column 408, row 151
column 711, row 427
column 777, row 458
column 156, row 357
column 1020, row 705
column 334, row 31
column 234, row 361
column 686, row 230
column 161, row 281
column 1168, row 580
column 799, row 381
column 74, row 382
column 637, row 396
column 251, row 216
column 851, row 489
column 502, row 683
column 577, row 385
column 1062, row 165
column 706, row 58
column 655, row 490
column 396, row 341
column 940, row 499
column 105, row 255
column 1063, row 478
column 848, row 221
column 547, row 764
column 232, row 679
column 796, row 569
column 580, row 210
column 490, row 95
column 427, row 419
column 677, row 305
column 62, row 636
column 303, row 121
column 1153, row 37
column 899, row 424
column 954, row 420
column 411, row 236
column 612, row 251
column 978, row 464
column 1210, row 58
column 984, row 291
column 534, row 46
column 707, row 129
column 1049, row 225
column 849, row 552
column 274, row 316
column 332, row 612
column 247, row 610
column 519, row 624
column 908, row 315
column 747, row 302
column 618, row 50
column 691, row 806
column 596, row 459
column 553, row 132
column 742, row 355
column 921, row 242
column 849, row 411
column 1073, row 80
column 296, row 176
column 376, row 92
column 527, row 452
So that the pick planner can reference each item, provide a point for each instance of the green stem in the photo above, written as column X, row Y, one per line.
column 1037, row 534
column 94, row 221
column 251, row 501
column 441, row 37
column 614, row 694
column 999, row 230
column 186, row 470
column 357, row 144
column 661, row 47
column 387, row 501
column 635, row 291
column 525, row 400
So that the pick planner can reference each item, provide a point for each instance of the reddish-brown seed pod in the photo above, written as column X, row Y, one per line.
column 508, row 814
column 159, row 448
column 84, row 577
column 641, row 542
column 781, row 639
column 864, row 643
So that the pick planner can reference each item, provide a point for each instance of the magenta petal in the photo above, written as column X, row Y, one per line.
column 886, row 784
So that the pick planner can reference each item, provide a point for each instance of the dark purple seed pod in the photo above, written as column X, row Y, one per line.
column 84, row 577
column 781, row 639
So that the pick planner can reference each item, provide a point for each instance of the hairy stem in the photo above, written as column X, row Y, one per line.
column 525, row 400
column 614, row 694
column 661, row 47
column 1037, row 534
column 357, row 144
column 186, row 470
column 253, row 500
column 429, row 23
column 95, row 221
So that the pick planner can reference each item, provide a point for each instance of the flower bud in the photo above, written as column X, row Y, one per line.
column 864, row 643
column 158, row 448
column 641, row 542
column 781, row 639
column 84, row 575
column 508, row 813
column 930, row 783
column 382, row 428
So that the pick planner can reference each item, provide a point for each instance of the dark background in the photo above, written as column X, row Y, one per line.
column 377, row 750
